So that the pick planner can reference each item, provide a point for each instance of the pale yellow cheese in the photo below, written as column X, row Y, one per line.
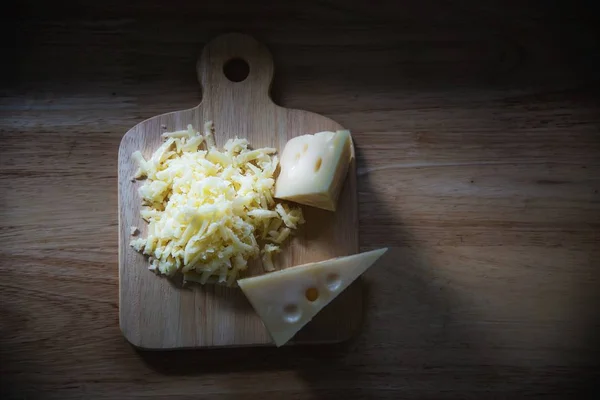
column 313, row 169
column 208, row 208
column 288, row 299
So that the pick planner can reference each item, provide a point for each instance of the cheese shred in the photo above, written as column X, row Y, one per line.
column 207, row 208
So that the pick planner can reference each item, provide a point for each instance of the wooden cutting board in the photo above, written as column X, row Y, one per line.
column 156, row 313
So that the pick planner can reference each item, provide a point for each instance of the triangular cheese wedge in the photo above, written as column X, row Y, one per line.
column 288, row 299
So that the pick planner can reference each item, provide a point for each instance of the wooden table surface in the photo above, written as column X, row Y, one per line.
column 477, row 131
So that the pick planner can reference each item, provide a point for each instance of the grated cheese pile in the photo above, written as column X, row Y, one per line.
column 208, row 209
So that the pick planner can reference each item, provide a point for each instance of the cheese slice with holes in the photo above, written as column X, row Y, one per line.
column 313, row 169
column 288, row 299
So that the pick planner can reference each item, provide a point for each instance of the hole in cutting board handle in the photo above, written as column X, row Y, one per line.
column 236, row 69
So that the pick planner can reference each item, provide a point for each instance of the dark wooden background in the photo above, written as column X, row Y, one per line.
column 477, row 131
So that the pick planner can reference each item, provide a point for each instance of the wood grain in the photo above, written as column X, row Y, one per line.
column 477, row 138
column 157, row 313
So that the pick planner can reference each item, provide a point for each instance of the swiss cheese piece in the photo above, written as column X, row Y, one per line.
column 288, row 299
column 313, row 169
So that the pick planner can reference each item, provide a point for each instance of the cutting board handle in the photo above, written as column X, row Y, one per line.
column 241, row 48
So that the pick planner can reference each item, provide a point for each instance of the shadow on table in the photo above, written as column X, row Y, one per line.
column 410, row 324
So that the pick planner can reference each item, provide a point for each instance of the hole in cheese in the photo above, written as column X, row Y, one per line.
column 318, row 164
column 291, row 313
column 311, row 294
column 333, row 282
